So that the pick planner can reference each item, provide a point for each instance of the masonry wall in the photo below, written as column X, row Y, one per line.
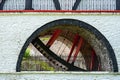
column 15, row 28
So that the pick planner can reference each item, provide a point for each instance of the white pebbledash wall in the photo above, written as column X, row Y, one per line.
column 15, row 28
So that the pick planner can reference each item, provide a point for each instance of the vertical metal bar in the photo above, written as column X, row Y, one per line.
column 57, row 4
column 75, row 41
column 54, row 37
column 77, row 50
column 110, row 4
column 81, row 7
column 2, row 4
column 28, row 5
column 88, row 8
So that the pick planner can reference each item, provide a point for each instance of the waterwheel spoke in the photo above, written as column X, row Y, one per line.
column 75, row 41
column 77, row 50
column 53, row 38
column 53, row 51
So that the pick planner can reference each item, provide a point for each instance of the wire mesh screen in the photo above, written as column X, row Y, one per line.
column 43, row 5
column 63, row 4
column 97, row 5
column 14, row 5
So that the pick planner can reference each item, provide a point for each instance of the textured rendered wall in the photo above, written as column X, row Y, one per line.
column 16, row 28
column 59, row 76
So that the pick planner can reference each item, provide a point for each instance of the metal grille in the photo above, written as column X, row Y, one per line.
column 43, row 5
column 64, row 4
column 14, row 5
column 67, row 4
column 97, row 5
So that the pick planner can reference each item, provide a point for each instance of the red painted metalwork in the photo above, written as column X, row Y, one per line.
column 61, row 11
column 78, row 49
column 92, row 60
column 54, row 37
column 75, row 41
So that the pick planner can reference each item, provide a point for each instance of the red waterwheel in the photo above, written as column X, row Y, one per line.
column 67, row 50
column 67, row 45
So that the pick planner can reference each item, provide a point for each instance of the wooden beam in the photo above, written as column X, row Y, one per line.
column 2, row 4
column 117, row 4
column 57, row 4
column 76, row 4
column 28, row 5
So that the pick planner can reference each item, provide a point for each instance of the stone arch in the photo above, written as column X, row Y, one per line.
column 100, row 44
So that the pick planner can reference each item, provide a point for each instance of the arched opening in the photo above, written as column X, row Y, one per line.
column 67, row 45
